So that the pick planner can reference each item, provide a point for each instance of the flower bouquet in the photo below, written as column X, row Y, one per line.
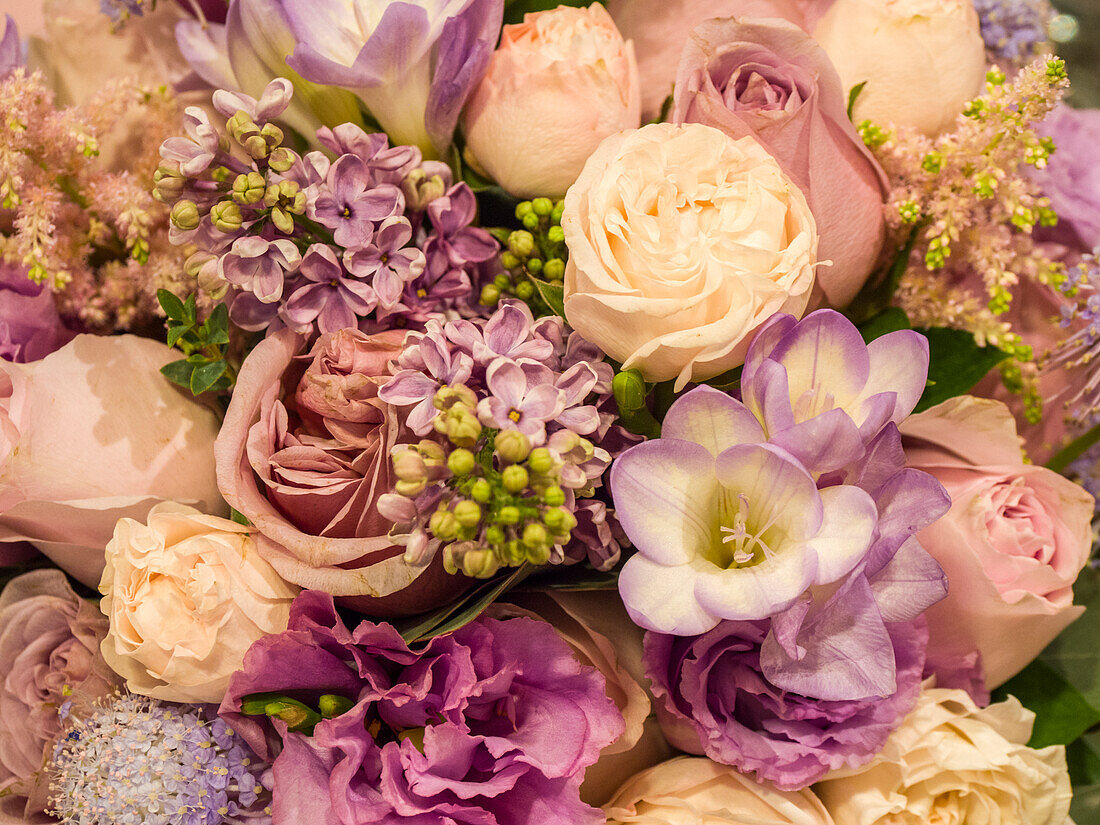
column 497, row 412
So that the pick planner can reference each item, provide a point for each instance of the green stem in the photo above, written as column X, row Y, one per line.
column 1074, row 450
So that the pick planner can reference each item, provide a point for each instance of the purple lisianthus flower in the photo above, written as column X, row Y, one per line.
column 713, row 698
column 427, row 363
column 351, row 205
column 493, row 724
column 387, row 262
column 413, row 63
column 260, row 266
column 327, row 294
column 513, row 405
column 30, row 328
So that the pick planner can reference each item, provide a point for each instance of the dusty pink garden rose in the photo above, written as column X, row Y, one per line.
column 602, row 635
column 304, row 454
column 49, row 654
column 770, row 80
column 1012, row 545
column 660, row 28
column 559, row 83
column 93, row 433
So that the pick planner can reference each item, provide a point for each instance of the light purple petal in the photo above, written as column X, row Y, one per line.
column 825, row 443
column 661, row 598
column 909, row 584
column 712, row 419
column 899, row 363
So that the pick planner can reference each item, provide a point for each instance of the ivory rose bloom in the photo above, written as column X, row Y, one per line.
column 692, row 791
column 953, row 762
column 770, row 80
column 922, row 60
column 93, row 433
column 560, row 82
column 1012, row 545
column 682, row 242
column 186, row 596
column 49, row 643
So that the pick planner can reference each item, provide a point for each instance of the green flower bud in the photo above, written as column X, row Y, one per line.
column 512, row 446
column 554, row 269
column 535, row 535
column 479, row 564
column 555, row 234
column 559, row 520
column 410, row 488
column 408, row 465
column 542, row 206
column 185, row 215
column 540, row 461
column 554, row 496
column 530, row 221
column 283, row 222
column 443, row 525
column 629, row 390
column 538, row 555
column 241, row 126
column 450, row 395
column 502, row 282
column 249, row 188
column 515, row 478
column 461, row 462
column 482, row 491
column 433, row 454
column 534, row 265
column 559, row 209
column 281, row 159
column 490, row 295
column 495, row 535
column 468, row 513
column 226, row 216
column 513, row 553
column 525, row 290
column 298, row 717
column 332, row 705
column 521, row 244
column 523, row 209
column 463, row 428
column 508, row 515
column 508, row 260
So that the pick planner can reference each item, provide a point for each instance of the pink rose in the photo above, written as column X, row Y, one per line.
column 49, row 644
column 93, row 433
column 770, row 80
column 304, row 454
column 1012, row 545
column 660, row 28
column 560, row 82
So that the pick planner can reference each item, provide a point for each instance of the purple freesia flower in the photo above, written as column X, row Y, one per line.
column 30, row 327
column 350, row 204
column 387, row 262
column 493, row 724
column 327, row 294
column 413, row 63
column 513, row 405
column 260, row 266
column 715, row 699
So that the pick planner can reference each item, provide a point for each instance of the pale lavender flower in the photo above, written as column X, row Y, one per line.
column 597, row 538
column 260, row 266
column 197, row 151
column 1079, row 350
column 273, row 101
column 388, row 263
column 11, row 48
column 327, row 294
column 454, row 238
column 512, row 405
column 1014, row 30
column 510, row 333
column 351, row 205
column 429, row 362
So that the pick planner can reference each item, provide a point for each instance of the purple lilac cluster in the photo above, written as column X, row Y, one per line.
column 517, row 408
column 138, row 760
column 1014, row 30
column 377, row 238
column 492, row 724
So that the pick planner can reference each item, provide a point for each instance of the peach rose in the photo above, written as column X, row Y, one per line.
column 602, row 635
column 922, row 60
column 695, row 791
column 953, row 762
column 93, row 433
column 682, row 242
column 186, row 596
column 560, row 82
column 1012, row 544
column 304, row 454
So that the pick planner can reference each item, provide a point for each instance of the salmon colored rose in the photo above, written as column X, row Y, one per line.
column 682, row 242
column 1012, row 544
column 560, row 82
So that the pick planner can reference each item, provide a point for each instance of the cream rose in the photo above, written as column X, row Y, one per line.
column 186, row 596
column 694, row 791
column 922, row 60
column 953, row 762
column 561, row 82
column 682, row 242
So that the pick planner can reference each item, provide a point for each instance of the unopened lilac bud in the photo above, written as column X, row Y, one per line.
column 542, row 207
column 410, row 488
column 513, row 446
column 282, row 159
column 513, row 553
column 535, row 535
column 481, row 491
column 241, row 126
column 443, row 524
column 515, row 478
column 508, row 515
column 559, row 520
column 227, row 216
column 495, row 535
column 564, row 441
column 479, row 564
column 521, row 243
column 490, row 295
column 468, row 513
column 418, row 549
column 432, row 452
column 395, row 508
column 409, row 466
column 185, row 215
column 540, row 461
column 525, row 290
column 249, row 188
column 553, row 496
column 554, row 269
column 169, row 184
column 538, row 554
column 461, row 426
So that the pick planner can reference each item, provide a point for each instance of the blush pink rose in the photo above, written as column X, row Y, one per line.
column 770, row 80
column 93, row 433
column 560, row 82
column 660, row 28
column 304, row 454
column 1012, row 544
column 49, row 654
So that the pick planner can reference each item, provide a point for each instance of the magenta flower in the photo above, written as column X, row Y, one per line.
column 493, row 724
column 327, row 295
column 351, row 205
column 388, row 263
column 514, row 406
column 260, row 266
column 429, row 362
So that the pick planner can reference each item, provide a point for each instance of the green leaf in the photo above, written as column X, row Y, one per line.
column 172, row 305
column 577, row 577
column 177, row 331
column 178, row 372
column 552, row 294
column 514, row 10
column 1074, row 450
column 956, row 364
column 239, row 517
column 216, row 327
column 853, row 96
column 204, row 377
column 463, row 611
column 189, row 309
column 889, row 320
column 1062, row 713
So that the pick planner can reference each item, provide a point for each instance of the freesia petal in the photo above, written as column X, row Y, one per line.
column 666, row 498
column 825, row 443
column 825, row 354
column 760, row 591
column 909, row 584
column 713, row 419
column 776, row 486
column 661, row 598
column 846, row 531
column 898, row 363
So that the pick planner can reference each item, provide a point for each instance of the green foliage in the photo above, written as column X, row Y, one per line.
column 205, row 368
column 889, row 320
column 956, row 364
column 853, row 96
column 515, row 9
column 464, row 610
